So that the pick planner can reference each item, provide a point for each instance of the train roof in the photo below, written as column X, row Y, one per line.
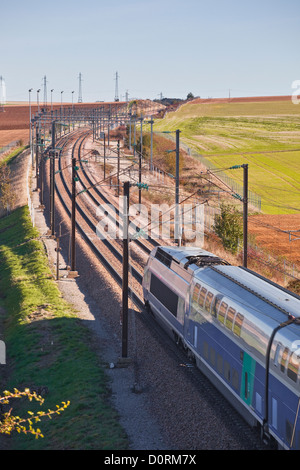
column 242, row 285
column 180, row 253
column 247, row 288
column 187, row 258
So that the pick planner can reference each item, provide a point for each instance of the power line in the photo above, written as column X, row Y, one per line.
column 172, row 208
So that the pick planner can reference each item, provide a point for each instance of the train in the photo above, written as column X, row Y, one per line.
column 241, row 329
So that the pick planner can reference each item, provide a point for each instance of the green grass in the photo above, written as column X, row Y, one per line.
column 275, row 176
column 48, row 346
column 266, row 135
column 9, row 158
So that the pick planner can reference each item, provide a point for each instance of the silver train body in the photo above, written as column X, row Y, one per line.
column 242, row 330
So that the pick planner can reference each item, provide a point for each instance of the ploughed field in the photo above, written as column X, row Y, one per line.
column 14, row 124
column 14, row 120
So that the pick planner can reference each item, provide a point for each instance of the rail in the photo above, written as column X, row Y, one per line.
column 107, row 263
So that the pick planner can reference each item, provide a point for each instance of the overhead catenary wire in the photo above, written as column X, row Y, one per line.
column 104, row 179
column 169, row 210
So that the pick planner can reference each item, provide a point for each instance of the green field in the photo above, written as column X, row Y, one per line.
column 266, row 135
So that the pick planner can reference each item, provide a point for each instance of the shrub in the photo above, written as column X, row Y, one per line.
column 228, row 226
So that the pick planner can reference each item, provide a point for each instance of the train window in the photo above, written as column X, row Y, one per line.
column 258, row 403
column 216, row 306
column 163, row 257
column 276, row 356
column 202, row 296
column 220, row 363
column 194, row 306
column 164, row 294
column 230, row 317
column 212, row 358
column 293, row 367
column 239, row 318
column 205, row 349
column 235, row 379
column 208, row 301
column 227, row 370
column 284, row 359
column 222, row 312
column 196, row 292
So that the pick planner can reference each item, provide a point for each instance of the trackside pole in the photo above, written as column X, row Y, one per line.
column 125, row 272
column 118, row 172
column 245, row 216
column 176, row 234
column 52, row 182
column 73, row 221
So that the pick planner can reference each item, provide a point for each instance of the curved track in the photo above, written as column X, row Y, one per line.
column 85, row 222
column 97, row 197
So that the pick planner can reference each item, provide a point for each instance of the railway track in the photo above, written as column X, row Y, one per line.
column 98, row 197
column 86, row 225
column 109, row 253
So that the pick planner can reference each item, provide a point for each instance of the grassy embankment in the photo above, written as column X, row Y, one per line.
column 266, row 135
column 12, row 155
column 48, row 346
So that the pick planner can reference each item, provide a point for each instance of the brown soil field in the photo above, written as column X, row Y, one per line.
column 14, row 123
column 270, row 233
column 249, row 99
column 8, row 136
column 16, row 117
column 14, row 120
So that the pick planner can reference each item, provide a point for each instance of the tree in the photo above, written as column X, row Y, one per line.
column 228, row 226
column 10, row 423
column 190, row 96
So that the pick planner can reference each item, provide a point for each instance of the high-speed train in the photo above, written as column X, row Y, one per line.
column 242, row 330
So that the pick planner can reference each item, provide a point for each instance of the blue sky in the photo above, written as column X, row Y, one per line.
column 171, row 47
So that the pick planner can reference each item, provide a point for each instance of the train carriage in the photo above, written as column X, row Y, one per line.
column 243, row 331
